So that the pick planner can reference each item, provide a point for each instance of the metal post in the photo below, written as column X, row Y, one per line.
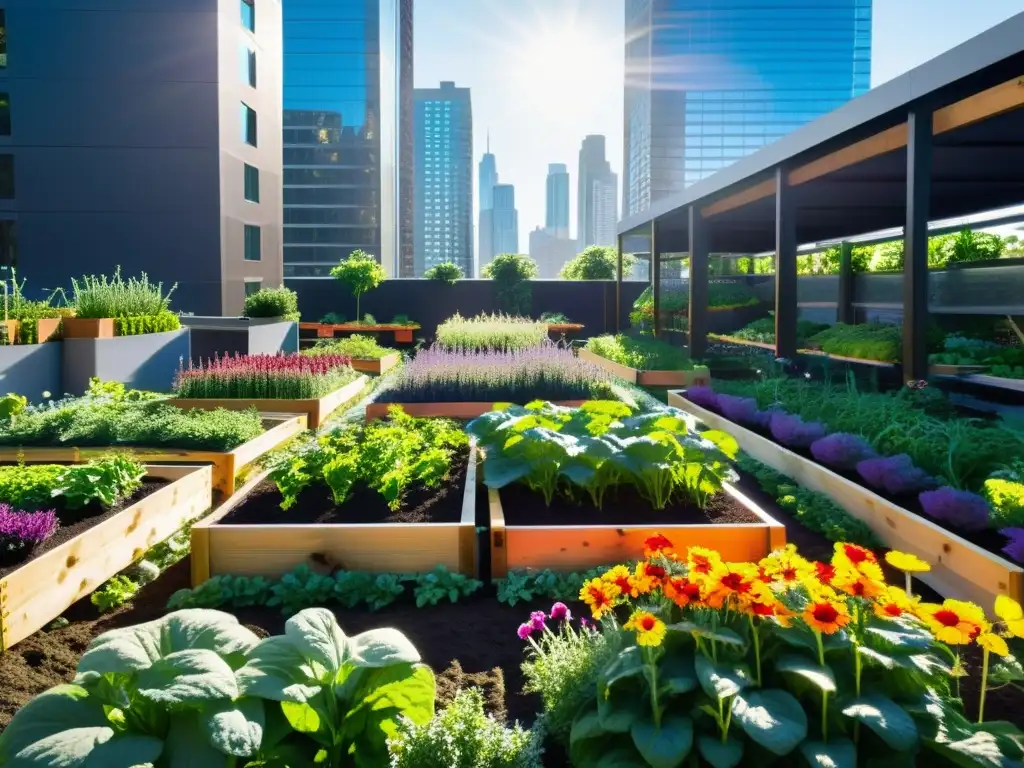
column 698, row 313
column 656, row 276
column 785, row 268
column 915, row 245
column 844, row 302
column 618, row 287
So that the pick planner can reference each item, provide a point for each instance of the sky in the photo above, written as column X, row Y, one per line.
column 545, row 73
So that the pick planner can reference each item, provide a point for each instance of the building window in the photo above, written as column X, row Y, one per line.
column 251, row 286
column 247, row 64
column 6, row 177
column 248, row 8
column 5, row 114
column 8, row 246
column 248, row 124
column 3, row 39
column 252, row 243
column 252, row 184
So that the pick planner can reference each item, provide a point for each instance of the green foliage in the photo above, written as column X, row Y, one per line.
column 597, row 262
column 102, row 297
column 675, row 300
column 503, row 333
column 763, row 330
column 390, row 456
column 138, row 325
column 360, row 272
column 333, row 318
column 1006, row 498
column 440, row 584
column 106, row 481
column 641, row 352
column 356, row 346
column 11, row 405
column 554, row 318
column 866, row 341
column 511, row 273
column 115, row 593
column 463, row 736
column 530, row 585
column 446, row 272
column 582, row 452
column 814, row 510
column 272, row 302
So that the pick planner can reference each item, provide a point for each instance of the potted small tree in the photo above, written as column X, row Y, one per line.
column 361, row 273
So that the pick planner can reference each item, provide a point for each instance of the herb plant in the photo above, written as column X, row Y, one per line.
column 356, row 347
column 139, row 325
column 641, row 352
column 868, row 341
column 288, row 377
column 502, row 333
column 105, row 481
column 272, row 303
column 21, row 531
column 103, row 297
column 114, row 593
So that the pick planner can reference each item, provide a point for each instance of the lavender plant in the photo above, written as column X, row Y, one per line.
column 1014, row 548
column 960, row 509
column 895, row 475
column 794, row 432
column 705, row 397
column 742, row 410
column 842, row 450
column 21, row 531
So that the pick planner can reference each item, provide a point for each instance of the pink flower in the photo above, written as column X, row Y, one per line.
column 524, row 631
column 537, row 620
column 561, row 612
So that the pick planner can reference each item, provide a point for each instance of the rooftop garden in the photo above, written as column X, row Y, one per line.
column 502, row 333
column 286, row 377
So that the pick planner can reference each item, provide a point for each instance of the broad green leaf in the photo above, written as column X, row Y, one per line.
column 676, row 674
column 97, row 747
column 719, row 754
column 187, row 746
column 278, row 671
column 877, row 657
column 667, row 746
column 500, row 471
column 586, row 726
column 187, row 679
column 618, row 709
column 302, row 717
column 381, row 648
column 726, row 443
column 820, row 676
column 719, row 634
column 316, row 635
column 720, row 681
column 235, row 728
column 978, row 749
column 628, row 663
column 51, row 712
column 898, row 638
column 837, row 753
column 772, row 718
column 886, row 718
column 620, row 758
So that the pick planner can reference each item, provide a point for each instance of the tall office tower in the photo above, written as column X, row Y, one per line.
column 595, row 175
column 407, row 143
column 444, row 178
column 345, row 76
column 550, row 252
column 710, row 81
column 488, row 176
column 170, row 165
column 604, row 199
column 504, row 223
column 557, row 219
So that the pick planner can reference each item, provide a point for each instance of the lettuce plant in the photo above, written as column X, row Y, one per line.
column 960, row 509
column 841, row 450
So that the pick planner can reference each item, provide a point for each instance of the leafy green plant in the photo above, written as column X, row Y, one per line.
column 528, row 585
column 867, row 341
column 333, row 318
column 137, row 325
column 511, row 273
column 763, row 330
column 11, row 405
column 597, row 262
column 103, row 297
column 114, row 593
column 431, row 588
column 360, row 272
column 490, row 332
column 272, row 302
column 641, row 352
column 356, row 346
column 106, row 481
column 1006, row 499
column 447, row 272
column 554, row 317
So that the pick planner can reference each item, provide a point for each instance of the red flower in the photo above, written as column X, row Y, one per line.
column 655, row 544
column 826, row 572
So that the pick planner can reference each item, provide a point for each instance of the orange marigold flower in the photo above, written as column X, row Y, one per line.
column 600, row 595
column 621, row 577
column 892, row 603
column 657, row 544
column 647, row 577
column 650, row 630
column 826, row 616
column 763, row 603
column 857, row 584
column 858, row 558
column 731, row 580
column 701, row 561
column 787, row 566
column 825, row 573
column 955, row 622
column 682, row 591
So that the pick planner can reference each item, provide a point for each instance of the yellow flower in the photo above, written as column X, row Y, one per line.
column 646, row 577
column 893, row 603
column 858, row 558
column 683, row 592
column 954, row 622
column 701, row 561
column 994, row 643
column 1009, row 610
column 857, row 583
column 600, row 595
column 907, row 563
column 826, row 616
column 786, row 566
column 650, row 630
column 621, row 577
column 731, row 580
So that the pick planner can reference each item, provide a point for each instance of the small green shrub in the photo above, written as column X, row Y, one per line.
column 102, row 297
column 763, row 330
column 866, row 341
column 511, row 273
column 641, row 352
column 356, row 346
column 272, row 302
column 448, row 272
column 597, row 262
column 136, row 326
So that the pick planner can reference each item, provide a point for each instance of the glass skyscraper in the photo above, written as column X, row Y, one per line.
column 710, row 81
column 556, row 220
column 347, row 69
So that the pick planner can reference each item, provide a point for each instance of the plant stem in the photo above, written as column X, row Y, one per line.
column 984, row 685
column 655, row 707
column 824, row 694
column 757, row 652
column 909, row 585
column 728, row 722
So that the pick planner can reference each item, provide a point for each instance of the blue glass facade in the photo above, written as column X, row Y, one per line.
column 710, row 81
column 342, row 81
column 556, row 220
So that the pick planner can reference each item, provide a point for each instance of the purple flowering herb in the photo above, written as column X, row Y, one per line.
column 705, row 397
column 561, row 612
column 537, row 621
column 742, row 410
column 1014, row 548
column 960, row 509
column 25, row 529
column 841, row 450
column 896, row 475
column 794, row 432
column 524, row 631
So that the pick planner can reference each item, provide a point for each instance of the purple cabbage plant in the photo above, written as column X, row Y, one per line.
column 841, row 450
column 20, row 531
column 896, row 475
column 794, row 432
column 705, row 397
column 960, row 509
column 1014, row 548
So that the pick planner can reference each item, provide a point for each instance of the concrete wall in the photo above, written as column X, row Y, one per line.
column 273, row 338
column 31, row 370
column 146, row 362
column 222, row 336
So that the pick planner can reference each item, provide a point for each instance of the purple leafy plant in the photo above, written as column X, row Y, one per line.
column 742, row 410
column 794, row 432
column 960, row 509
column 20, row 531
column 1014, row 548
column 841, row 450
column 896, row 475
column 705, row 397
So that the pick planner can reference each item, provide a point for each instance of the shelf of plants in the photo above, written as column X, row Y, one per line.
column 396, row 495
column 903, row 505
column 586, row 486
column 402, row 332
column 962, row 356
column 366, row 355
column 315, row 386
column 646, row 362
column 109, row 416
column 66, row 529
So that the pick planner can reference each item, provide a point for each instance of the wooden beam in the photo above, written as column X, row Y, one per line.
column 888, row 140
column 749, row 195
column 656, row 274
column 786, row 310
column 698, row 309
column 989, row 103
column 915, row 247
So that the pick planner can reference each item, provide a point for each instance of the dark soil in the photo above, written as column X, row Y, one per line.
column 622, row 506
column 74, row 522
column 442, row 504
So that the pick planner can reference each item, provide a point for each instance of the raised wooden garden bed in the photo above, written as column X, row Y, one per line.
column 378, row 365
column 316, row 410
column 578, row 548
column 43, row 588
column 723, row 339
column 700, row 376
column 842, row 359
column 272, row 550
column 940, row 369
column 226, row 464
column 403, row 333
column 466, row 410
column 960, row 569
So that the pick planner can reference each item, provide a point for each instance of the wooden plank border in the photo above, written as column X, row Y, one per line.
column 573, row 548
column 465, row 410
column 376, row 366
column 42, row 589
column 316, row 410
column 273, row 550
column 698, row 377
column 960, row 569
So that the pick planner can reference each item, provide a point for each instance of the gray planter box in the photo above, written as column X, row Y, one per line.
column 220, row 336
column 31, row 370
column 149, row 361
